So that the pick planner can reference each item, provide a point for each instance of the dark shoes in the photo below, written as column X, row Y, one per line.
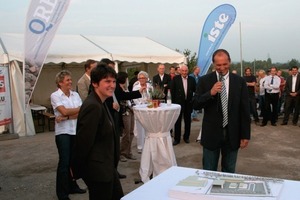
column 273, row 124
column 263, row 124
column 122, row 176
column 77, row 191
column 66, row 198
column 186, row 141
column 284, row 123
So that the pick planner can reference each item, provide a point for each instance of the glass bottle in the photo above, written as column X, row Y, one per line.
column 169, row 98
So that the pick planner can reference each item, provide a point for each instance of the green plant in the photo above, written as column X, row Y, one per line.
column 157, row 93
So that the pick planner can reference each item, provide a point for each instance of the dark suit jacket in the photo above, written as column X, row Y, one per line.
column 166, row 80
column 121, row 95
column 288, row 85
column 96, row 150
column 238, row 111
column 178, row 95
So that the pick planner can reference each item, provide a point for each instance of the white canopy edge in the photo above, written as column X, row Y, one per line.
column 79, row 48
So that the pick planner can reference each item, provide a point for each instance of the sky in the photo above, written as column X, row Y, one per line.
column 269, row 28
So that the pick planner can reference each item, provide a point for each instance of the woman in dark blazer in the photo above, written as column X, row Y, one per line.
column 96, row 151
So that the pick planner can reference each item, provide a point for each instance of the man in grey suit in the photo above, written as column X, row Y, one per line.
column 85, row 81
column 226, row 120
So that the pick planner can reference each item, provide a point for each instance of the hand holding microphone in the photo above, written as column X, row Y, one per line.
column 217, row 88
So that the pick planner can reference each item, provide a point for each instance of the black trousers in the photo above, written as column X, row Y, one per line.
column 64, row 182
column 105, row 190
column 271, row 114
column 186, row 111
column 291, row 103
column 253, row 110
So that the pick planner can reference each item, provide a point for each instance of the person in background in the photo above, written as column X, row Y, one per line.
column 139, row 131
column 66, row 104
column 251, row 83
column 182, row 91
column 272, row 86
column 226, row 120
column 292, row 97
column 127, row 118
column 261, row 96
column 196, row 76
column 172, row 72
column 96, row 151
column 177, row 70
column 133, row 80
column 162, row 80
column 281, row 92
column 234, row 71
column 83, row 84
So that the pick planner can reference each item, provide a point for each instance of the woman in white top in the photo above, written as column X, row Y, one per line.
column 139, row 131
column 66, row 104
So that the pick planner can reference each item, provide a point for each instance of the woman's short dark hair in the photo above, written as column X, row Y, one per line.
column 102, row 71
column 122, row 77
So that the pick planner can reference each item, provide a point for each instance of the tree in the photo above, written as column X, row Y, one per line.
column 191, row 58
column 293, row 62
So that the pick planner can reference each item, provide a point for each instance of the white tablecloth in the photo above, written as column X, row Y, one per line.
column 36, row 107
column 158, row 153
column 159, row 186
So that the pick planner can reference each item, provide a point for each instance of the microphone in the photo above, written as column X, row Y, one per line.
column 220, row 77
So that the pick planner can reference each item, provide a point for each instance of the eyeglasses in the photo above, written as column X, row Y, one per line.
column 143, row 78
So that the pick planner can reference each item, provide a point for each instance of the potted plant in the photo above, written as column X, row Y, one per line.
column 157, row 93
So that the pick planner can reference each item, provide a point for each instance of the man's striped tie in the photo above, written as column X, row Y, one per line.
column 224, row 102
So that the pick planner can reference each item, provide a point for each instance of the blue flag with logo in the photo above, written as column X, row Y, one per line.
column 214, row 30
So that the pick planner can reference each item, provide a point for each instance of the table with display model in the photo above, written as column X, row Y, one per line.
column 160, row 186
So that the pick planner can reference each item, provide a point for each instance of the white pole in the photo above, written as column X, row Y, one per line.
column 241, row 51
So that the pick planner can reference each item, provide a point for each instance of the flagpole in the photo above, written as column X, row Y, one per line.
column 241, row 49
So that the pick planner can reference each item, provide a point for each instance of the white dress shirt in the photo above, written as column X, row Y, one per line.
column 272, row 88
column 294, row 80
column 58, row 98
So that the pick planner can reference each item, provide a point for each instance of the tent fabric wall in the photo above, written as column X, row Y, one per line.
column 17, row 96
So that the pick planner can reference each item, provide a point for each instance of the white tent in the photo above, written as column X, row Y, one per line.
column 79, row 48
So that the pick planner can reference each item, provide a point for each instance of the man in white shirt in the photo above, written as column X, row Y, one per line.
column 272, row 86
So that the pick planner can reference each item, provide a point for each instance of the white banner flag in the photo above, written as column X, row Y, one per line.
column 5, row 102
column 43, row 19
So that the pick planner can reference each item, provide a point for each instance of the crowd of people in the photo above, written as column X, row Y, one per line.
column 272, row 95
column 95, row 126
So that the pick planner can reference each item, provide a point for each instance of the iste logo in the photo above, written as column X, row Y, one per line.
column 41, row 16
column 219, row 25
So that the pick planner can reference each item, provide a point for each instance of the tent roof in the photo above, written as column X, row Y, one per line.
column 79, row 48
